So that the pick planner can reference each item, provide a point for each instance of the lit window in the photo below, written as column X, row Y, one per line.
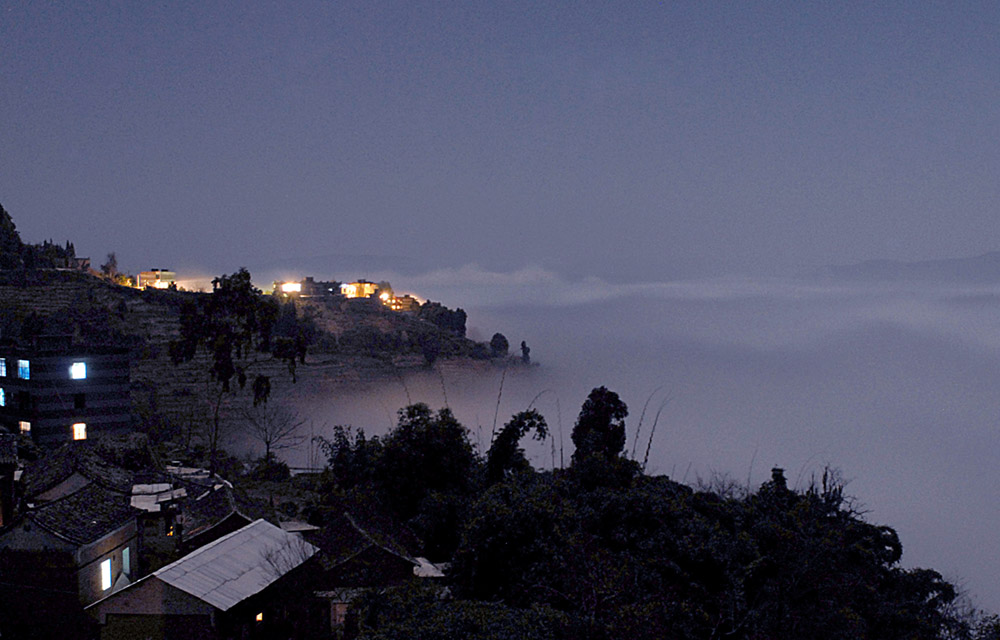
column 79, row 431
column 24, row 370
column 106, row 574
column 25, row 427
column 260, row 617
column 3, row 367
column 126, row 568
column 78, row 371
column 3, row 398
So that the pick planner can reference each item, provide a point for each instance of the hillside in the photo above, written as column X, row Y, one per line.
column 352, row 342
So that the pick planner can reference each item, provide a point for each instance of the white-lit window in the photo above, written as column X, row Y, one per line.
column 78, row 371
column 25, row 427
column 3, row 367
column 24, row 370
column 126, row 565
column 3, row 398
column 106, row 574
column 79, row 431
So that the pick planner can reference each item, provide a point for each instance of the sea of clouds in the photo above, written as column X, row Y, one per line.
column 893, row 383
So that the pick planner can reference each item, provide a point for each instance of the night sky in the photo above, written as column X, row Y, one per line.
column 641, row 141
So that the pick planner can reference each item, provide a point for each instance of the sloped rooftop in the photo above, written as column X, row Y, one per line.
column 237, row 566
column 86, row 515
column 343, row 538
column 109, row 461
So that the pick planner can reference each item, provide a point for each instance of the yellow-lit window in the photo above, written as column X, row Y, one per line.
column 79, row 431
column 260, row 617
column 25, row 427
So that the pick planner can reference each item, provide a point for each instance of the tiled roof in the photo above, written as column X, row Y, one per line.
column 237, row 566
column 343, row 538
column 94, row 459
column 86, row 515
column 204, row 507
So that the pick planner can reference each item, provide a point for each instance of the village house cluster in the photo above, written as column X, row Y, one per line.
column 134, row 550
column 107, row 538
column 112, row 542
column 307, row 288
column 360, row 290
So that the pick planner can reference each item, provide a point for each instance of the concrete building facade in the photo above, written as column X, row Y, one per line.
column 59, row 393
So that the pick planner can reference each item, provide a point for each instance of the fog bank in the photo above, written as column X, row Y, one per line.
column 894, row 384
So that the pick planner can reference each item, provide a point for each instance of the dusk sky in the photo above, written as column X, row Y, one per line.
column 636, row 140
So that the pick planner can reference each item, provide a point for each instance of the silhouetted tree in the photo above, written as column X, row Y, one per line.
column 600, row 428
column 275, row 427
column 505, row 454
column 232, row 323
column 499, row 345
column 11, row 247
column 443, row 317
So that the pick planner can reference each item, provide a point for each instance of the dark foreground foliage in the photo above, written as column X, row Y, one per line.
column 601, row 550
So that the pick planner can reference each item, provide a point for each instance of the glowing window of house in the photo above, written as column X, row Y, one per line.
column 3, row 398
column 291, row 287
column 126, row 565
column 260, row 617
column 80, row 431
column 106, row 574
column 25, row 427
column 78, row 371
column 24, row 370
column 3, row 367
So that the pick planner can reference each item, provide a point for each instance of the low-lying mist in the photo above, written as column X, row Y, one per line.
column 893, row 384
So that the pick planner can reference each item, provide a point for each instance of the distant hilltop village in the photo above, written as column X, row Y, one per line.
column 307, row 288
column 362, row 289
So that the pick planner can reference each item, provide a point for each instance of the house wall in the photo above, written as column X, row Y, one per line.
column 122, row 626
column 28, row 536
column 153, row 609
column 90, row 557
column 150, row 597
column 37, row 573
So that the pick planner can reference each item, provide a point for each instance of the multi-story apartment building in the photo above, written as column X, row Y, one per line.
column 55, row 392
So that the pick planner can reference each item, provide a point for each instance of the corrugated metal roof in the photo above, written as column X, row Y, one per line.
column 235, row 567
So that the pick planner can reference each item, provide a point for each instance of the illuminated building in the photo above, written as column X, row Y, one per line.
column 359, row 289
column 57, row 392
column 404, row 303
column 306, row 288
column 156, row 278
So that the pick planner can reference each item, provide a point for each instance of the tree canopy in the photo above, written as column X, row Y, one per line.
column 11, row 246
column 600, row 428
column 557, row 554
